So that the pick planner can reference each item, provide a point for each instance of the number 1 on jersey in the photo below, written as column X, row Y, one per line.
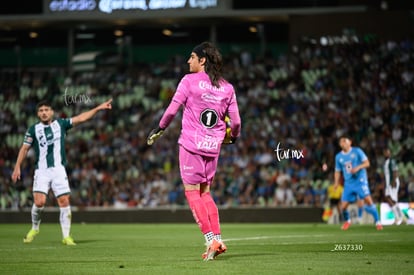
column 208, row 118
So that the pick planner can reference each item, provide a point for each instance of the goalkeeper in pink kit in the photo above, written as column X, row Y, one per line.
column 208, row 101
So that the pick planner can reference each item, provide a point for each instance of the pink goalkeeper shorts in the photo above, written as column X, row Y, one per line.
column 195, row 169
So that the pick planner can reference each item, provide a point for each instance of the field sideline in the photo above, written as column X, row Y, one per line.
column 177, row 248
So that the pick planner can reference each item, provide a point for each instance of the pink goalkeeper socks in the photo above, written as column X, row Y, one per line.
column 199, row 210
column 212, row 210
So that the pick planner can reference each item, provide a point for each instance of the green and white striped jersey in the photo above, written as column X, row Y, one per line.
column 390, row 166
column 48, row 142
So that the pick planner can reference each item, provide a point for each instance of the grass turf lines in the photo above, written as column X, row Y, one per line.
column 177, row 248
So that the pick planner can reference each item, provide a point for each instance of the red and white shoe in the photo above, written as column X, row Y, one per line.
column 346, row 225
column 220, row 250
column 379, row 226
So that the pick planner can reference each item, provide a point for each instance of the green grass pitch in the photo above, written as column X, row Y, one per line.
column 177, row 248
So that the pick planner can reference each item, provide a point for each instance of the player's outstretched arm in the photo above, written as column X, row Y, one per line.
column 21, row 156
column 166, row 119
column 89, row 114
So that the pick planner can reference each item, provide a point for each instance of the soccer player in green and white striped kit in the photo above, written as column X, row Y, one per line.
column 392, row 186
column 47, row 138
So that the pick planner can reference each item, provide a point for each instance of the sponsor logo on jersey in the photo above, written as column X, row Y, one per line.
column 211, row 98
column 204, row 85
column 208, row 143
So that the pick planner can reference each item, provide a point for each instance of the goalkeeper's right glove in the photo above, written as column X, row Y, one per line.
column 154, row 135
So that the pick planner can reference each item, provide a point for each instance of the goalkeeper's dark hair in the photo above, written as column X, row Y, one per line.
column 214, row 61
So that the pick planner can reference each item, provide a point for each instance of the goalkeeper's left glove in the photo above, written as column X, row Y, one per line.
column 228, row 139
column 154, row 135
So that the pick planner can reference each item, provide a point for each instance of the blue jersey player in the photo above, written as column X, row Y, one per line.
column 352, row 162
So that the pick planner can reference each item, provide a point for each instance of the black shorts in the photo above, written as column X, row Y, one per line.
column 334, row 202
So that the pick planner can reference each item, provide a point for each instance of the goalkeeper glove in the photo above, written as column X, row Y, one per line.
column 154, row 135
column 228, row 139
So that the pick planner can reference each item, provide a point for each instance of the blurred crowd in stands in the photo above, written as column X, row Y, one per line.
column 301, row 101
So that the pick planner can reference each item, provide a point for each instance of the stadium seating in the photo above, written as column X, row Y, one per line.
column 302, row 107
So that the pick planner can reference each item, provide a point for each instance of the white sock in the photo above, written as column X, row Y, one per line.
column 217, row 237
column 397, row 212
column 65, row 220
column 36, row 214
column 209, row 237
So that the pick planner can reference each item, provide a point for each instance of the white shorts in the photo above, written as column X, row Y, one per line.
column 392, row 191
column 53, row 177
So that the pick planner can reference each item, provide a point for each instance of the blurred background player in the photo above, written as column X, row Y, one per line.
column 206, row 98
column 392, row 186
column 358, row 219
column 334, row 196
column 352, row 163
column 360, row 205
column 47, row 138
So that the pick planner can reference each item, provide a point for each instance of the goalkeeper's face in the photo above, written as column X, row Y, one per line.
column 196, row 64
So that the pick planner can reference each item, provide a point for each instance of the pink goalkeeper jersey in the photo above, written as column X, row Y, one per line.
column 205, row 106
